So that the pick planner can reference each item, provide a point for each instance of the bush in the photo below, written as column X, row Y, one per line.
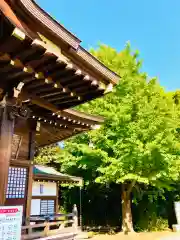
column 152, row 224
column 158, row 224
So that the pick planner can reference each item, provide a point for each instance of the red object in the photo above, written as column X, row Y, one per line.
column 8, row 210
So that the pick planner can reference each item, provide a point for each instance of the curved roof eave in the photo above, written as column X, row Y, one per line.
column 29, row 9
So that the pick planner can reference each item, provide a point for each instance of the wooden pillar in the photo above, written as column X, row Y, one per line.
column 30, row 178
column 29, row 195
column 57, row 197
column 6, row 133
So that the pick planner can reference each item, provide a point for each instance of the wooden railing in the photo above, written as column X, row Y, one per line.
column 56, row 224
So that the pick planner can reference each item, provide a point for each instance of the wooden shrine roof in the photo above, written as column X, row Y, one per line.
column 49, row 173
column 55, row 71
column 55, row 128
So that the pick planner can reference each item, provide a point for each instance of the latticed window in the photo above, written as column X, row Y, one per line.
column 47, row 207
column 16, row 182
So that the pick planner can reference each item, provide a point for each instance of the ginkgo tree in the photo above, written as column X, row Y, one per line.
column 138, row 142
column 140, row 130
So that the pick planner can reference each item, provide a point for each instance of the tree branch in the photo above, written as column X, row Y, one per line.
column 131, row 187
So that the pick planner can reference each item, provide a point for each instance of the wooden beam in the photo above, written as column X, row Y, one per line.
column 35, row 49
column 93, row 93
column 6, row 133
column 61, row 97
column 38, row 85
column 41, row 89
column 49, row 67
column 37, row 80
column 52, row 94
column 20, row 162
column 58, row 74
column 19, row 75
column 7, row 11
column 64, row 101
column 73, row 112
column 38, row 101
column 47, row 60
column 76, row 84
column 67, row 113
column 86, row 89
column 14, row 65
column 71, row 78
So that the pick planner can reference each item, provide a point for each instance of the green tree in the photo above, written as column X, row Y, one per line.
column 137, row 143
column 139, row 135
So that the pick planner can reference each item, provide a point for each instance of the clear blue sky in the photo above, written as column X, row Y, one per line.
column 152, row 27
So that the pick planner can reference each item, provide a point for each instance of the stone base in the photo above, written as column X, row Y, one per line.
column 176, row 228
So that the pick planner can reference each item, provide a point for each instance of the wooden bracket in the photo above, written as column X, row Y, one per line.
column 18, row 89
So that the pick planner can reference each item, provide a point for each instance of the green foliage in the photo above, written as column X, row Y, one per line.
column 152, row 211
column 83, row 162
column 151, row 224
column 48, row 154
column 139, row 133
column 138, row 144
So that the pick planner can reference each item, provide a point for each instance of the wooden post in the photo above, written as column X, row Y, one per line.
column 29, row 195
column 57, row 197
column 6, row 133
column 30, row 178
column 46, row 229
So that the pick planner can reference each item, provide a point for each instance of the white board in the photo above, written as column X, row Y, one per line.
column 35, row 207
column 10, row 222
column 48, row 189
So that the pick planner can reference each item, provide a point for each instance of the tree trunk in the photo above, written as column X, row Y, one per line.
column 127, row 223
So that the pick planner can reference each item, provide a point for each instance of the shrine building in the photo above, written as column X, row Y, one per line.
column 44, row 74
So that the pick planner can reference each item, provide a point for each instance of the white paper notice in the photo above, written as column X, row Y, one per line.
column 10, row 222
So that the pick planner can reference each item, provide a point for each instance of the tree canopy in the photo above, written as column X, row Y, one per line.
column 138, row 142
column 139, row 136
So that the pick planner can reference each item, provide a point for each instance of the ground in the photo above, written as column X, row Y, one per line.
column 141, row 236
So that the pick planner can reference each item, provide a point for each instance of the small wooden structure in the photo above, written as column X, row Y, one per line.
column 45, row 189
column 44, row 72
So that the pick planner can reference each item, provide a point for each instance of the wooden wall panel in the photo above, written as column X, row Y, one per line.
column 20, row 145
column 6, row 132
column 24, row 148
column 22, row 157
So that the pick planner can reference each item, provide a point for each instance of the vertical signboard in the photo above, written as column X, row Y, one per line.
column 10, row 222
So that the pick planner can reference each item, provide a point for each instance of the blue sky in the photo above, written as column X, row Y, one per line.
column 152, row 27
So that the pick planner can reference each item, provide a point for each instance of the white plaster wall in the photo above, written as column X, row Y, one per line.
column 35, row 207
column 49, row 189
